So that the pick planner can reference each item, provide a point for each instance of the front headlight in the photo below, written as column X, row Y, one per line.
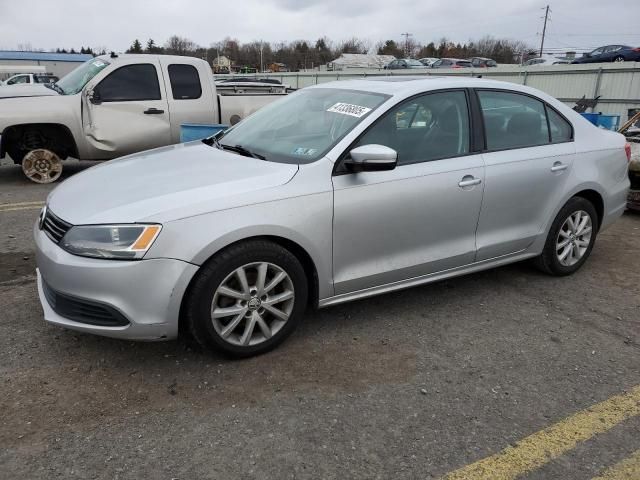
column 121, row 242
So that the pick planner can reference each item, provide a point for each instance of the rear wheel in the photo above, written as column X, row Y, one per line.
column 571, row 238
column 247, row 299
column 619, row 58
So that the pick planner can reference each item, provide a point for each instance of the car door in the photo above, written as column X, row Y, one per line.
column 527, row 165
column 419, row 218
column 126, row 111
column 596, row 56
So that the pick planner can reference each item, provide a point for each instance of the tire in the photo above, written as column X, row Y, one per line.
column 218, row 287
column 578, row 246
column 619, row 58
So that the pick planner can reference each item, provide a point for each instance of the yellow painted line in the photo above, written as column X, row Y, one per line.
column 541, row 447
column 21, row 204
column 627, row 469
column 20, row 208
column 11, row 207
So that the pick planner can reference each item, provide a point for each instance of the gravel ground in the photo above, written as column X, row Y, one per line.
column 409, row 385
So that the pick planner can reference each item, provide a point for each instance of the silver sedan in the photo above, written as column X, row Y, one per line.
column 334, row 193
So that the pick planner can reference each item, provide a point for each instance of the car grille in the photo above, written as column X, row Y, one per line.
column 54, row 227
column 83, row 311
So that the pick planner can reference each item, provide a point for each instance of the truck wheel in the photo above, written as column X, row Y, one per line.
column 42, row 166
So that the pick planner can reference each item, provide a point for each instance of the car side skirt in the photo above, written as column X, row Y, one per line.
column 429, row 278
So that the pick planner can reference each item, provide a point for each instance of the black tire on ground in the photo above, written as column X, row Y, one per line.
column 548, row 261
column 619, row 58
column 197, row 305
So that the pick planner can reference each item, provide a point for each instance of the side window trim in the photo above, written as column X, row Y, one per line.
column 546, row 107
column 137, row 99
column 338, row 169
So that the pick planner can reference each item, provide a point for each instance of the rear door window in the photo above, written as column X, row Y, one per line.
column 130, row 83
column 185, row 82
column 513, row 120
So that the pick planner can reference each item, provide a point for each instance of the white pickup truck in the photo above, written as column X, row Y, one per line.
column 114, row 105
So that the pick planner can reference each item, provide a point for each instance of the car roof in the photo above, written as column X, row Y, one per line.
column 405, row 85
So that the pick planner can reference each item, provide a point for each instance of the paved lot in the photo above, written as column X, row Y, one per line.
column 414, row 384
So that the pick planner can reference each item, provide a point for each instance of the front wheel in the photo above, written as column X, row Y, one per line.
column 571, row 238
column 247, row 299
column 42, row 166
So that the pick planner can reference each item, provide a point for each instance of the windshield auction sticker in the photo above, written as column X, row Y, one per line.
column 349, row 109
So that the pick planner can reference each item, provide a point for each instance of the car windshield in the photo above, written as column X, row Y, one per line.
column 76, row 80
column 303, row 126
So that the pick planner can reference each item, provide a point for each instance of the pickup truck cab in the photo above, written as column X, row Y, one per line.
column 115, row 105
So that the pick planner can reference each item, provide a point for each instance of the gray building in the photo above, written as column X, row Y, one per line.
column 58, row 64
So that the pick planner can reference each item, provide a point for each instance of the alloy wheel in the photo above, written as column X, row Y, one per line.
column 574, row 238
column 42, row 166
column 252, row 304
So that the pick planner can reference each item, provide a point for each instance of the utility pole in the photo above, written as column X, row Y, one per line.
column 261, row 64
column 544, row 29
column 406, row 43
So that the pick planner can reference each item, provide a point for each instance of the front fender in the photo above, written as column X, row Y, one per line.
column 306, row 222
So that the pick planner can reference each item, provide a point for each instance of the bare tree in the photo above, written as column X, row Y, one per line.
column 180, row 46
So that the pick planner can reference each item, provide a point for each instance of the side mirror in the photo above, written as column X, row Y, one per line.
column 371, row 158
column 94, row 96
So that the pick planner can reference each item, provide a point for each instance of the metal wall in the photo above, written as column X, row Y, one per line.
column 60, row 69
column 617, row 84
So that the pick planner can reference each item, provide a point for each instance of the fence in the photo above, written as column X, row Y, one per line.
column 617, row 84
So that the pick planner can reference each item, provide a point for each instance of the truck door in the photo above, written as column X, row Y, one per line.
column 126, row 112
column 190, row 95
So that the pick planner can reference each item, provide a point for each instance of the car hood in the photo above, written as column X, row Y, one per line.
column 38, row 90
column 166, row 184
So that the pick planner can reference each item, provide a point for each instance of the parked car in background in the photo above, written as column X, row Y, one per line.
column 451, row 63
column 30, row 78
column 428, row 61
column 403, row 64
column 117, row 105
column 481, row 62
column 545, row 62
column 611, row 53
column 233, row 237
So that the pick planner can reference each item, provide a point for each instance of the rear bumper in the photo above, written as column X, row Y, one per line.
column 616, row 203
column 146, row 293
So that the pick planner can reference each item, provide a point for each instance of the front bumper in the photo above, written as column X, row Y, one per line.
column 147, row 293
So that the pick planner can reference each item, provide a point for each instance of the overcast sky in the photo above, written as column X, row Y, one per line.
column 114, row 24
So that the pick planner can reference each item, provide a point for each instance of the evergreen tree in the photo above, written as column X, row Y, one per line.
column 136, row 47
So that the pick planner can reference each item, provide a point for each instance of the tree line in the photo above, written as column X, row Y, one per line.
column 305, row 54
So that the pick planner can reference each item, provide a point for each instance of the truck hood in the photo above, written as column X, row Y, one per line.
column 166, row 184
column 38, row 90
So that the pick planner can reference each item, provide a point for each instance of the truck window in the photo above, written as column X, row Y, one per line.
column 130, row 83
column 185, row 82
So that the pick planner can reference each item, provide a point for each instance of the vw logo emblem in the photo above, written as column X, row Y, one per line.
column 43, row 214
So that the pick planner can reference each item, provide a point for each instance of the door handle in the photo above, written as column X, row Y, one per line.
column 153, row 111
column 558, row 167
column 469, row 181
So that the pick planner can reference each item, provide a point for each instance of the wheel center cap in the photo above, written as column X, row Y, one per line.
column 254, row 303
